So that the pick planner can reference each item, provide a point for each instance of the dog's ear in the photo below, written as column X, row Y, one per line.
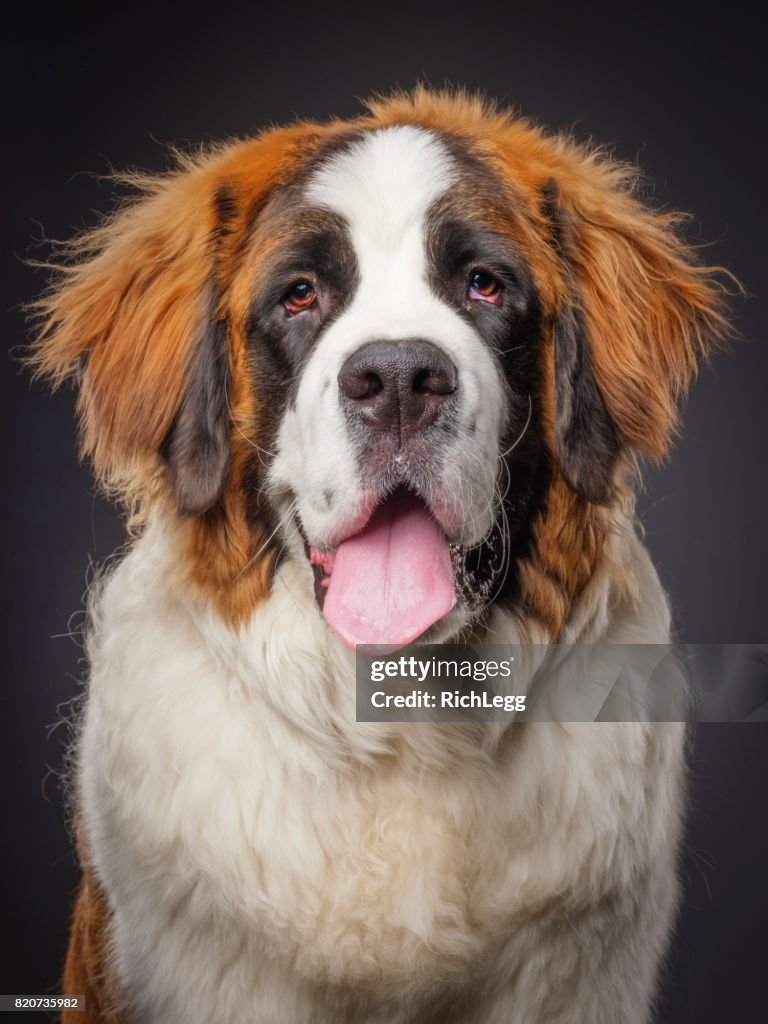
column 197, row 446
column 587, row 441
column 637, row 313
column 130, row 315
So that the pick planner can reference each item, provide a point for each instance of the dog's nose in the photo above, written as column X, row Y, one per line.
column 397, row 386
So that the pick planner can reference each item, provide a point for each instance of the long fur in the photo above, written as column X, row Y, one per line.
column 252, row 853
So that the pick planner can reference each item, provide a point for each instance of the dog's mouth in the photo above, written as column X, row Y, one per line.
column 386, row 584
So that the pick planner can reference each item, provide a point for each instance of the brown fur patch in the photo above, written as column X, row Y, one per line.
column 126, row 306
column 128, row 299
column 650, row 309
column 568, row 543
column 88, row 970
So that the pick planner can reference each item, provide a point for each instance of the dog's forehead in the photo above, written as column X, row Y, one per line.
column 384, row 183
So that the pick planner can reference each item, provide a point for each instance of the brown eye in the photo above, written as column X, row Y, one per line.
column 483, row 287
column 301, row 296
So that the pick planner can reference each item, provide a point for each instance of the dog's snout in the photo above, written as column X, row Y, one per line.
column 397, row 386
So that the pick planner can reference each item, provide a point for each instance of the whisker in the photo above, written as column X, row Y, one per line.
column 506, row 351
column 496, row 501
column 524, row 430
column 280, row 523
column 249, row 440
column 261, row 451
column 505, row 464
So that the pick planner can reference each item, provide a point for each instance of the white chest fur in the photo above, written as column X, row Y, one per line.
column 268, row 857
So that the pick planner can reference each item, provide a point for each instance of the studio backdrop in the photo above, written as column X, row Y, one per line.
column 677, row 91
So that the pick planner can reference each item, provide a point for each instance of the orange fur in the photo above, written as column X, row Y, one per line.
column 126, row 307
column 128, row 300
column 121, row 319
column 88, row 971
column 569, row 542
column 652, row 310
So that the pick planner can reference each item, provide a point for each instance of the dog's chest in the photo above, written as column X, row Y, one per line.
column 376, row 884
column 222, row 857
column 348, row 883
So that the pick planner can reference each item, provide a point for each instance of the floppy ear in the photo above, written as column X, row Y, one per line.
column 131, row 316
column 638, row 314
column 197, row 446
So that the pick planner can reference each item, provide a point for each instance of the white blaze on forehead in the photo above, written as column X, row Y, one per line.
column 383, row 186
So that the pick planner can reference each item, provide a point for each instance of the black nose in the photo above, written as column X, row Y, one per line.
column 397, row 386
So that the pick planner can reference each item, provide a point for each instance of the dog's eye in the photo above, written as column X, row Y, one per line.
column 299, row 297
column 483, row 287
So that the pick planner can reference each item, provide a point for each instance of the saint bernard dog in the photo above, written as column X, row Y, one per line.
column 368, row 381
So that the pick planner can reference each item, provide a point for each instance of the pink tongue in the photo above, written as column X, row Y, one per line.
column 393, row 580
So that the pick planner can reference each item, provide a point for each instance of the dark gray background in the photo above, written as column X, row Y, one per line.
column 677, row 89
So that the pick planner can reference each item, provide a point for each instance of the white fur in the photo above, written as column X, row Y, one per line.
column 269, row 859
column 383, row 187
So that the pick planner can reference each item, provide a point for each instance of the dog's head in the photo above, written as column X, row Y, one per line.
column 417, row 350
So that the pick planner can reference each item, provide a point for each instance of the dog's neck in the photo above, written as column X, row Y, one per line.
column 287, row 662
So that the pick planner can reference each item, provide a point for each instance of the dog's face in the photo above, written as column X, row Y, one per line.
column 395, row 342
column 406, row 323
column 414, row 351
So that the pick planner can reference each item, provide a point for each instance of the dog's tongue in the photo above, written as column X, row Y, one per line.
column 393, row 580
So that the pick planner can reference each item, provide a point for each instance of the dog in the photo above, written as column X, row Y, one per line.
column 370, row 382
